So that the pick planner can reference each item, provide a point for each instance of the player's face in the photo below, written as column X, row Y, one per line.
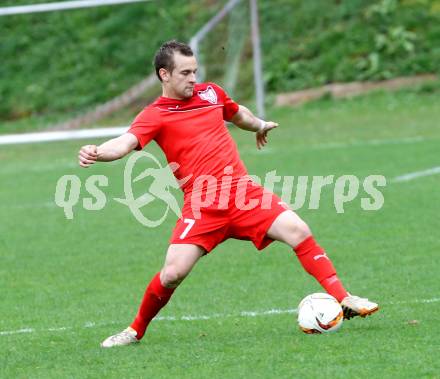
column 181, row 81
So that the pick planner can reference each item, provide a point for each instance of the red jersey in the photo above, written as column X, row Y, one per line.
column 193, row 133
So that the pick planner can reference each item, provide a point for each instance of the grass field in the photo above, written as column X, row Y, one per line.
column 68, row 284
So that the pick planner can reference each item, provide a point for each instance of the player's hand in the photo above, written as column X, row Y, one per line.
column 87, row 155
column 261, row 135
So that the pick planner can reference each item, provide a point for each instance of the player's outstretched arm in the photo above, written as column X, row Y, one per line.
column 246, row 120
column 111, row 150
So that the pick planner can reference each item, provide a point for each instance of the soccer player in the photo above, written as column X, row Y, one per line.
column 187, row 122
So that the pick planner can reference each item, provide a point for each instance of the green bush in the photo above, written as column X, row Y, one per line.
column 64, row 62
column 325, row 41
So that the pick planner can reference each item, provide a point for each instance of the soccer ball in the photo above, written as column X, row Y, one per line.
column 319, row 313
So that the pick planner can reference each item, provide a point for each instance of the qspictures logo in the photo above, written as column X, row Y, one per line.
column 296, row 192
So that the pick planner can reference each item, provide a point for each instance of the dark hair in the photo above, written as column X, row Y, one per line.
column 164, row 57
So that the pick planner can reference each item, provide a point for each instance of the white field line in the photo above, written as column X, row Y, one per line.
column 269, row 312
column 63, row 5
column 19, row 331
column 118, row 130
column 416, row 175
column 160, row 318
column 62, row 135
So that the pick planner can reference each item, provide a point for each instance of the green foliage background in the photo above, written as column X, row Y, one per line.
column 327, row 41
column 61, row 63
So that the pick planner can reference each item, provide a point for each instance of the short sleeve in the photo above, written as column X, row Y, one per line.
column 145, row 127
column 230, row 106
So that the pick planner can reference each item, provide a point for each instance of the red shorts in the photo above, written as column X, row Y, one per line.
column 213, row 225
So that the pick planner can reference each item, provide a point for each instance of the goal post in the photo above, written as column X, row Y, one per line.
column 237, row 30
column 233, row 29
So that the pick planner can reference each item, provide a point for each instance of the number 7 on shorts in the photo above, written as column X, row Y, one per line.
column 190, row 223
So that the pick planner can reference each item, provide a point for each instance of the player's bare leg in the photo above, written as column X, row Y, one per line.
column 179, row 261
column 292, row 230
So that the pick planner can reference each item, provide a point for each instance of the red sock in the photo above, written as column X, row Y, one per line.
column 155, row 298
column 318, row 264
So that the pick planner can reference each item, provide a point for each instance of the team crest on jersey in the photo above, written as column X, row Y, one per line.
column 208, row 95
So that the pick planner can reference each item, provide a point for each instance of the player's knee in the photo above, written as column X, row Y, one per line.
column 172, row 276
column 300, row 231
